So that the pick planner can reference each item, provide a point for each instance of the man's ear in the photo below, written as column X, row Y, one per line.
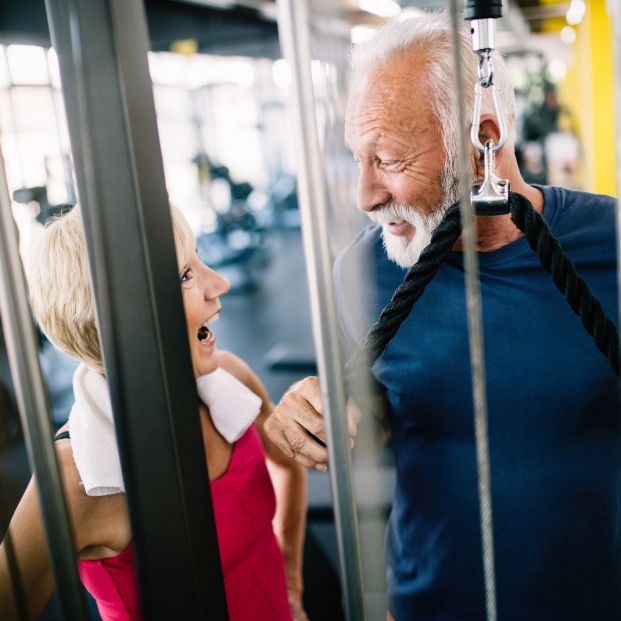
column 488, row 130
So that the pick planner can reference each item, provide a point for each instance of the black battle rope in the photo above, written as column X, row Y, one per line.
column 567, row 281
column 403, row 299
column 551, row 256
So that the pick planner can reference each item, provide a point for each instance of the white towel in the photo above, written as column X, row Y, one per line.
column 232, row 406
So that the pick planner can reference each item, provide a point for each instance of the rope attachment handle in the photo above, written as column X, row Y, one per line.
column 491, row 197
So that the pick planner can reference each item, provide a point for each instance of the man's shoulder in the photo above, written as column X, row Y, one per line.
column 581, row 219
column 368, row 239
column 582, row 196
column 360, row 254
column 355, row 284
column 579, row 204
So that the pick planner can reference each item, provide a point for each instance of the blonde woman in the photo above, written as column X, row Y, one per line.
column 260, row 546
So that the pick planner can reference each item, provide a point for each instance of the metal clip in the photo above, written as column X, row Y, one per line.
column 490, row 198
column 482, row 31
column 486, row 80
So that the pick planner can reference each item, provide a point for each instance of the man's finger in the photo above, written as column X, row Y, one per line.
column 300, row 410
column 301, row 445
column 353, row 418
column 280, row 440
column 309, row 388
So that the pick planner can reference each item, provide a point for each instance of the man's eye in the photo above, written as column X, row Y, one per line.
column 390, row 164
column 187, row 275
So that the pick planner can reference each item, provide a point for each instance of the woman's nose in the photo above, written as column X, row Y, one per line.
column 225, row 284
column 219, row 285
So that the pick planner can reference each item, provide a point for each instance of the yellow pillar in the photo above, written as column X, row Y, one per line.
column 588, row 92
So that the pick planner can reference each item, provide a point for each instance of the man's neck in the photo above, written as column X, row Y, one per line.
column 494, row 232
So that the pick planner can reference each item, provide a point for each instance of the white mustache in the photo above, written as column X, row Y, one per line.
column 396, row 212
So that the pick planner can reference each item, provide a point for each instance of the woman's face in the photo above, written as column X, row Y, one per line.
column 201, row 288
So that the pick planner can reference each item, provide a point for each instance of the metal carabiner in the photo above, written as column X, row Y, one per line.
column 490, row 198
column 486, row 80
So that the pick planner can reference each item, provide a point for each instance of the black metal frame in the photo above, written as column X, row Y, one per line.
column 22, row 349
column 102, row 47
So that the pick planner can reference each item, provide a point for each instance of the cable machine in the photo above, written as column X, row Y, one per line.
column 491, row 197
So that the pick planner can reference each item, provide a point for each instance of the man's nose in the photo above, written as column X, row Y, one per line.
column 371, row 190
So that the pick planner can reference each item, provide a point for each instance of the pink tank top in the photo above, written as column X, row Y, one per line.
column 252, row 563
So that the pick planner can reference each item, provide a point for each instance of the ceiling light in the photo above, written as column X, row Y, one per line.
column 409, row 12
column 575, row 12
column 360, row 34
column 383, row 8
column 556, row 70
column 568, row 35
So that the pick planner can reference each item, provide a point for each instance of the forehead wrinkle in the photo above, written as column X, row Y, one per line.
column 388, row 119
column 393, row 100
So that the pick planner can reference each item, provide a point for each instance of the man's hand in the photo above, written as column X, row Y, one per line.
column 298, row 417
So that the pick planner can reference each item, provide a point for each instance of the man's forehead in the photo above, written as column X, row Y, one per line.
column 388, row 98
column 375, row 100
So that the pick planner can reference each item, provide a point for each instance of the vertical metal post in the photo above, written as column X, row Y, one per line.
column 13, row 117
column 32, row 401
column 294, row 32
column 475, row 331
column 59, row 122
column 102, row 48
column 614, row 9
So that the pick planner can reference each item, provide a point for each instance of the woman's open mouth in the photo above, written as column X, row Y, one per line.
column 205, row 335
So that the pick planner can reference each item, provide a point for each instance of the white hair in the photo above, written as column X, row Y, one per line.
column 431, row 34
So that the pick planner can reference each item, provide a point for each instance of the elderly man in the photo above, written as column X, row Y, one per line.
column 553, row 411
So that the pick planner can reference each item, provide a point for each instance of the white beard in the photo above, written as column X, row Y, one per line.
column 403, row 251
column 406, row 252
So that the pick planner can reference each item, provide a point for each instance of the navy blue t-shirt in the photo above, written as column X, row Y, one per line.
column 555, row 447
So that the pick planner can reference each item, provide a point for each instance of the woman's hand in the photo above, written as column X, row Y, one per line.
column 295, row 603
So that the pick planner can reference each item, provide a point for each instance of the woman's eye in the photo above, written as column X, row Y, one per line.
column 187, row 275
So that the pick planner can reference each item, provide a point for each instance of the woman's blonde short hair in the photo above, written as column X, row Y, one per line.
column 60, row 288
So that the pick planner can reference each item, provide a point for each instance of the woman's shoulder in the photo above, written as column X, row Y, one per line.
column 239, row 369
column 234, row 365
column 72, row 485
column 97, row 520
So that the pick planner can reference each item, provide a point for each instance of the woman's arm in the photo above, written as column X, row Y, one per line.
column 95, row 521
column 24, row 551
column 289, row 480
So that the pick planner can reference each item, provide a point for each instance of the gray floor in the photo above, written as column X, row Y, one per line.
column 272, row 318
